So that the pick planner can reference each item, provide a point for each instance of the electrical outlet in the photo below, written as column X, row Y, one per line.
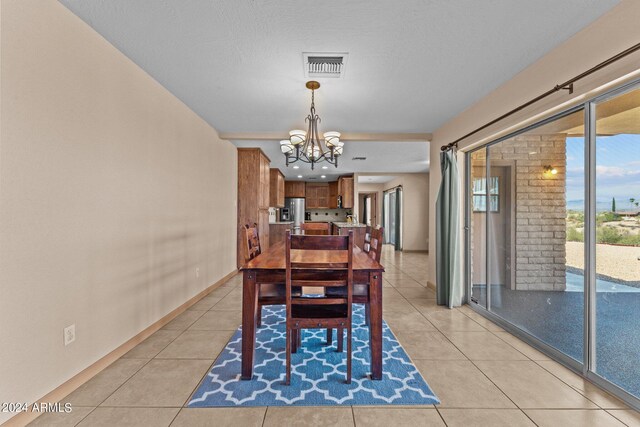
column 69, row 334
column 197, row 272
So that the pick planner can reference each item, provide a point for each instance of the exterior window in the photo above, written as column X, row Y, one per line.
column 480, row 194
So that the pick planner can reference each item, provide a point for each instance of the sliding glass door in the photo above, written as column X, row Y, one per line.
column 526, row 191
column 392, row 217
column 617, row 241
column 553, row 237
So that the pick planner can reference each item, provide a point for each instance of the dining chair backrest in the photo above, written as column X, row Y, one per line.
column 316, row 228
column 367, row 239
column 325, row 262
column 252, row 238
column 375, row 244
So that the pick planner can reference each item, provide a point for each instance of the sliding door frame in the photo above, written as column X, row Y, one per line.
column 586, row 368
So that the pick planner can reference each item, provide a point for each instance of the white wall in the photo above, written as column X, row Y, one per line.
column 415, row 209
column 112, row 192
column 415, row 216
column 612, row 33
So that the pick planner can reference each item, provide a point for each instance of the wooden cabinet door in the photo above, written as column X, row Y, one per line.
column 263, row 187
column 263, row 228
column 294, row 189
column 280, row 190
column 333, row 195
column 346, row 191
column 322, row 196
column 276, row 188
column 311, row 193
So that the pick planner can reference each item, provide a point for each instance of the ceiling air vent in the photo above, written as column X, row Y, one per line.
column 359, row 158
column 324, row 64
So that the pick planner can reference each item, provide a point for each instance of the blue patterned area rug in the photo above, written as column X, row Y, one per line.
column 318, row 371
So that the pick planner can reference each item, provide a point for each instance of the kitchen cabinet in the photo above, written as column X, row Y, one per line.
column 333, row 195
column 317, row 195
column 345, row 190
column 276, row 188
column 253, row 197
column 294, row 189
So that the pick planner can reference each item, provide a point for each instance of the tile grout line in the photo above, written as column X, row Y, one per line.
column 141, row 367
column 441, row 416
column 210, row 366
column 83, row 418
column 581, row 392
column 613, row 415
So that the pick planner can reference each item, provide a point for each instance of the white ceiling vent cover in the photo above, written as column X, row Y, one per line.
column 328, row 65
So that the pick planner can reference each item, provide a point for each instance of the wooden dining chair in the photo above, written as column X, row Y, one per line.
column 324, row 272
column 268, row 293
column 361, row 290
column 316, row 228
column 367, row 239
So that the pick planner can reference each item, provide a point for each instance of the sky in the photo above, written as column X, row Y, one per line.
column 617, row 171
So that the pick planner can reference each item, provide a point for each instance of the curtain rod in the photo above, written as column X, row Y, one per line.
column 568, row 85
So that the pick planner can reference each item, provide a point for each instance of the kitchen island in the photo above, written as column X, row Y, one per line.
column 343, row 228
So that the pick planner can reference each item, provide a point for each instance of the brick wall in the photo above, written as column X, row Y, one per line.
column 540, row 208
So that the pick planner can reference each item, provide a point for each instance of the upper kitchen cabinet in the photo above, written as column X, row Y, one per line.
column 345, row 190
column 253, row 196
column 276, row 189
column 333, row 195
column 317, row 195
column 294, row 189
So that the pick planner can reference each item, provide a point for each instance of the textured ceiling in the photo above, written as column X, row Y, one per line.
column 413, row 64
column 383, row 157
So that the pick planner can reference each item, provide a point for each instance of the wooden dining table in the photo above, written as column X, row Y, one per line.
column 269, row 268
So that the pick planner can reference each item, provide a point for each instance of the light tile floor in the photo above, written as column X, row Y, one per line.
column 483, row 375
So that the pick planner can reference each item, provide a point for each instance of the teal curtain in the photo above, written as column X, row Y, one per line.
column 449, row 285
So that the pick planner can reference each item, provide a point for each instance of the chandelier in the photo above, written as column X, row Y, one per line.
column 306, row 146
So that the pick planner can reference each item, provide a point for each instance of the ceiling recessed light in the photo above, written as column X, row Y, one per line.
column 325, row 167
column 299, row 176
column 296, row 167
column 323, row 176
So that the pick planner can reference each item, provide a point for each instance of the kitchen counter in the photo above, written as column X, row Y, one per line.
column 282, row 222
column 348, row 224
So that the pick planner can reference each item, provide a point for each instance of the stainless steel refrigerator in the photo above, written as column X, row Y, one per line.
column 295, row 206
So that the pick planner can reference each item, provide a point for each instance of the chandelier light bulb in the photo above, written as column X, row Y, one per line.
column 297, row 136
column 286, row 147
column 331, row 138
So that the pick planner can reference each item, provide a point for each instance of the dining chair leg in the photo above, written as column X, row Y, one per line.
column 348, row 355
column 366, row 314
column 299, row 336
column 259, row 322
column 294, row 340
column 288, row 352
column 340, row 338
column 329, row 336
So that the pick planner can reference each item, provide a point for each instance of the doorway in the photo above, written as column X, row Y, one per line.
column 369, row 208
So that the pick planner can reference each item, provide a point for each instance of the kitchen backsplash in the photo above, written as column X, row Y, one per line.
column 329, row 215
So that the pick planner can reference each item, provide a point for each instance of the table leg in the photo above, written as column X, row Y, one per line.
column 249, row 311
column 375, row 324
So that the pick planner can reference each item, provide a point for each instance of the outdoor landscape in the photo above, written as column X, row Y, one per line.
column 617, row 207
